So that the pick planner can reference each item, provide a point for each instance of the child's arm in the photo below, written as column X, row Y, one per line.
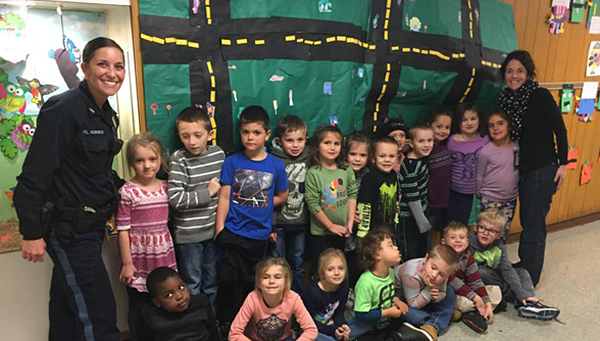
column 419, row 213
column 123, row 220
column 352, row 194
column 280, row 197
column 238, row 326
column 314, row 305
column 408, row 179
column 222, row 209
column 351, row 213
column 415, row 295
column 181, row 199
column 309, row 329
column 482, row 162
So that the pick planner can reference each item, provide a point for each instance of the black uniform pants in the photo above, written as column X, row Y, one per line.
column 82, row 305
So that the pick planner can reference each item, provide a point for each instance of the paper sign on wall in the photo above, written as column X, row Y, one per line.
column 578, row 11
column 586, row 173
column 572, row 156
column 566, row 98
column 593, row 60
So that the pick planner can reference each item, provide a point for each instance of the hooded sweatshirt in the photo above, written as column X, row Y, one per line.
column 293, row 214
column 495, row 256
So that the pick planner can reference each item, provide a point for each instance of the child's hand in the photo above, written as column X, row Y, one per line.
column 273, row 237
column 393, row 312
column 214, row 186
column 401, row 305
column 479, row 305
column 339, row 230
column 342, row 333
column 357, row 218
column 531, row 299
column 435, row 292
column 127, row 273
column 489, row 312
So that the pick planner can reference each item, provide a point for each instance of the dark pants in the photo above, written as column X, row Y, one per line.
column 318, row 244
column 459, row 208
column 137, row 300
column 290, row 245
column 411, row 242
column 238, row 257
column 438, row 217
column 493, row 277
column 82, row 305
column 536, row 189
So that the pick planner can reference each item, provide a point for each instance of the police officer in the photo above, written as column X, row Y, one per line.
column 67, row 191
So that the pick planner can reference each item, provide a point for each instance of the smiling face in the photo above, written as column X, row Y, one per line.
column 498, row 127
column 422, row 144
column 441, row 128
column 272, row 282
column 194, row 136
column 293, row 142
column 386, row 156
column 146, row 162
column 104, row 73
column 515, row 75
column 457, row 239
column 173, row 295
column 435, row 271
column 469, row 125
column 358, row 155
column 330, row 147
column 334, row 271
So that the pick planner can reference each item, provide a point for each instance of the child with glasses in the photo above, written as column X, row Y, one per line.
column 491, row 256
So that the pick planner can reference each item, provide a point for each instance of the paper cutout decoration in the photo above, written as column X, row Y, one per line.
column 572, row 156
column 593, row 60
column 593, row 12
column 37, row 89
column 588, row 101
column 598, row 156
column 557, row 19
column 327, row 88
column 566, row 98
column 565, row 3
column 586, row 173
column 578, row 11
column 595, row 25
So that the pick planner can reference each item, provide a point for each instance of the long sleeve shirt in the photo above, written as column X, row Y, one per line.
column 416, row 293
column 194, row 210
column 466, row 280
column 326, row 308
column 256, row 321
column 497, row 177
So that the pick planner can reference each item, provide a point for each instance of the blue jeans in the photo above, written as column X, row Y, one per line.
column 435, row 314
column 196, row 263
column 290, row 245
column 536, row 189
column 325, row 337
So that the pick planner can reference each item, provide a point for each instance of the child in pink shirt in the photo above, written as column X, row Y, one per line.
column 267, row 311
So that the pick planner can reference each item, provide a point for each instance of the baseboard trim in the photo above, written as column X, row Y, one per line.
column 563, row 225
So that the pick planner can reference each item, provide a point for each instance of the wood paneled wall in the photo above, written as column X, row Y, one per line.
column 562, row 59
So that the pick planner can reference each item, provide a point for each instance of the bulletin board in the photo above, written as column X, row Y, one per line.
column 351, row 61
column 40, row 56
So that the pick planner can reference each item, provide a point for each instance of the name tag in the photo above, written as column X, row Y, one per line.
column 93, row 132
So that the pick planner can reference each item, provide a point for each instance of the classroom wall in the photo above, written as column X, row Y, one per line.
column 25, row 286
column 562, row 59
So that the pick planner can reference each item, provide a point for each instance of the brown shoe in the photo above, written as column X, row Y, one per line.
column 431, row 330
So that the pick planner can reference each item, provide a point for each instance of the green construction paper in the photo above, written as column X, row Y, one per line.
column 566, row 98
column 250, row 78
column 444, row 20
column 166, row 8
column 166, row 84
column 577, row 13
column 497, row 20
column 304, row 9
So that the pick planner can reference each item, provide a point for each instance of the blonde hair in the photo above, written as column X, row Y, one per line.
column 492, row 216
column 265, row 264
column 447, row 254
column 147, row 140
column 454, row 226
column 326, row 257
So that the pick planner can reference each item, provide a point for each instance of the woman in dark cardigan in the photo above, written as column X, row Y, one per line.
column 536, row 122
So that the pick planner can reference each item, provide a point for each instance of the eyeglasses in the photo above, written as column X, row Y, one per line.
column 484, row 229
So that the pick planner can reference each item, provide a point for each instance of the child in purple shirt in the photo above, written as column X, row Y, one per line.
column 464, row 146
column 497, row 176
column 440, row 168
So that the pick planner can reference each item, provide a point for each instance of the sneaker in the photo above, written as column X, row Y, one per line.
column 536, row 310
column 456, row 315
column 475, row 321
column 502, row 306
column 408, row 332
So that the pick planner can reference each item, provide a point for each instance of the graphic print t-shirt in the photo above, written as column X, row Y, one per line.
column 378, row 201
column 375, row 293
column 253, row 186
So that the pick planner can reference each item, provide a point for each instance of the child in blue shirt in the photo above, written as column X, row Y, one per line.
column 253, row 182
